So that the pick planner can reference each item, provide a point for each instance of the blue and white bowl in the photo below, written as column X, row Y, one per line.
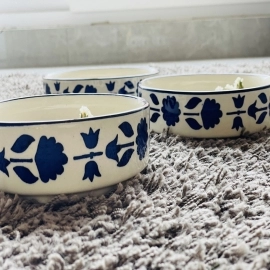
column 190, row 106
column 47, row 149
column 117, row 80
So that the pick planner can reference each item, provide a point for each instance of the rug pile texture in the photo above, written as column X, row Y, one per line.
column 200, row 204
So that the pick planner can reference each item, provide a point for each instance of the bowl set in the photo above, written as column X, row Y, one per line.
column 46, row 148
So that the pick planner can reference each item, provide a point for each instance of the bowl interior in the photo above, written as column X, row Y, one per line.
column 207, row 82
column 101, row 73
column 62, row 107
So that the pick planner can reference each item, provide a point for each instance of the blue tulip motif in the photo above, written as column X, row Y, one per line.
column 91, row 168
column 57, row 86
column 110, row 86
column 49, row 158
column 237, row 123
column 210, row 113
column 113, row 148
column 238, row 104
column 238, row 101
column 170, row 110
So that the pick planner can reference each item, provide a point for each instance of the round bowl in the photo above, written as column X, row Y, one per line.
column 117, row 80
column 47, row 149
column 190, row 105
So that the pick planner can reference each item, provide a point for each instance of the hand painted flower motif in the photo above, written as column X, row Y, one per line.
column 91, row 139
column 50, row 159
column 4, row 162
column 90, row 89
column 91, row 170
column 239, row 101
column 110, row 86
column 57, row 86
column 170, row 110
column 211, row 113
column 237, row 123
column 142, row 138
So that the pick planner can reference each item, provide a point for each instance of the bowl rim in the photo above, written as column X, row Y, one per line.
column 205, row 92
column 151, row 71
column 144, row 106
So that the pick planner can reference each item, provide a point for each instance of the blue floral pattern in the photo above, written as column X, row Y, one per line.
column 211, row 113
column 50, row 159
column 91, row 168
column 142, row 138
column 170, row 110
column 237, row 123
column 113, row 148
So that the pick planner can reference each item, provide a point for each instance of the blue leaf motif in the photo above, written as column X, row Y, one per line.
column 122, row 91
column 192, row 103
column 57, row 86
column 237, row 123
column 261, row 118
column 154, row 117
column 263, row 98
column 22, row 143
column 129, row 85
column 25, row 175
column 66, row 91
column 47, row 89
column 110, row 86
column 91, row 170
column 112, row 149
column 50, row 158
column 125, row 158
column 193, row 123
column 77, row 88
column 126, row 128
column 90, row 89
column 154, row 99
column 4, row 162
column 91, row 139
column 239, row 101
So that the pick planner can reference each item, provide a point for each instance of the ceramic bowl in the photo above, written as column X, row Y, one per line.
column 47, row 149
column 190, row 106
column 118, row 80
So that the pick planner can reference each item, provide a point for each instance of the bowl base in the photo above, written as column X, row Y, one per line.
column 48, row 198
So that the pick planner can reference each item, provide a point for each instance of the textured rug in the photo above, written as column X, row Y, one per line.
column 200, row 204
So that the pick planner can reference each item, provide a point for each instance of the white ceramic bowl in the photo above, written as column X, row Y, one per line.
column 190, row 106
column 118, row 80
column 46, row 149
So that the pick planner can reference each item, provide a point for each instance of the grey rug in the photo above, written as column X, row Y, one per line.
column 200, row 204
